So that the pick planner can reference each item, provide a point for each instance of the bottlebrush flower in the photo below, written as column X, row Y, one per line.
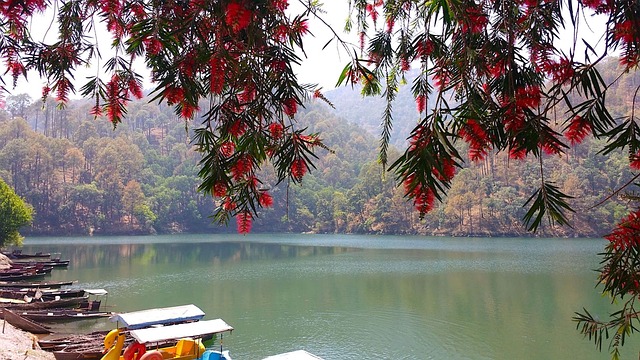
column 626, row 233
column 238, row 128
column 290, row 107
column 238, row 17
column 448, row 170
column 217, row 67
column 298, row 169
column 517, row 153
column 242, row 167
column 265, row 199
column 135, row 89
column 421, row 102
column 634, row 161
column 528, row 96
column 228, row 204
column 477, row 138
column 424, row 48
column 227, row 148
column 244, row 221
column 280, row 4
column 578, row 129
column 276, row 130
column 219, row 189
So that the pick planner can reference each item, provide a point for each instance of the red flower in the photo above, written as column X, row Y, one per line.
column 528, row 96
column 373, row 12
column 627, row 232
column 421, row 102
column 135, row 89
column 298, row 169
column 219, row 189
column 624, row 31
column 238, row 128
column 96, row 110
column 227, row 148
column 188, row 110
column 265, row 199
column 238, row 17
column 276, row 130
column 634, row 160
column 290, row 107
column 424, row 48
column 228, row 205
column 448, row 170
column 174, row 95
column 300, row 27
column 280, row 4
column 477, row 138
column 578, row 129
column 153, row 45
column 217, row 66
column 62, row 90
column 242, row 167
column 244, row 222
column 517, row 153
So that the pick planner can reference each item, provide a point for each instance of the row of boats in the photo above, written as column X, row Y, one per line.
column 178, row 332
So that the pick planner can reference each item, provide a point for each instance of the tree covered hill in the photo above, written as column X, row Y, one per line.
column 81, row 176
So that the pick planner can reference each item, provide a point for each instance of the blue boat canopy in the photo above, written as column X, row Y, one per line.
column 179, row 331
column 159, row 316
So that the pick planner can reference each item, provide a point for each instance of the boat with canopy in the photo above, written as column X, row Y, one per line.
column 159, row 316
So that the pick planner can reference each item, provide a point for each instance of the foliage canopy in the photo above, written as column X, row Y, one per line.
column 14, row 214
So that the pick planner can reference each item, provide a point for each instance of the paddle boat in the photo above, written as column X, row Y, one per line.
column 150, row 343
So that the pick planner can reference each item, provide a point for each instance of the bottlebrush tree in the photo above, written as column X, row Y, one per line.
column 496, row 71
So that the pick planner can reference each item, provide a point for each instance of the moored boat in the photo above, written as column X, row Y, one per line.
column 18, row 254
column 59, row 303
column 189, row 339
column 158, row 316
column 39, row 284
column 59, row 315
column 24, row 323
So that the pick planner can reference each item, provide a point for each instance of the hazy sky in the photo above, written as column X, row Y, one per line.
column 321, row 66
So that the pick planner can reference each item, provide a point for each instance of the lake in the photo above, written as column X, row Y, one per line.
column 355, row 297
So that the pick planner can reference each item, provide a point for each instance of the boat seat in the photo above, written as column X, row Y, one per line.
column 185, row 347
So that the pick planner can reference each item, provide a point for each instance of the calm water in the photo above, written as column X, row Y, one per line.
column 355, row 297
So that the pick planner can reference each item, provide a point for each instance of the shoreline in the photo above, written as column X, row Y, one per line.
column 16, row 344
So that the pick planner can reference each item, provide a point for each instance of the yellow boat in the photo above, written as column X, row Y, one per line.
column 189, row 342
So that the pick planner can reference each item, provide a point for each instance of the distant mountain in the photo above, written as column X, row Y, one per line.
column 367, row 111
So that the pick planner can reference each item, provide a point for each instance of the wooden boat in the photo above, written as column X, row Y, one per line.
column 72, row 341
column 52, row 263
column 189, row 345
column 18, row 254
column 59, row 303
column 23, row 276
column 23, row 323
column 45, row 294
column 59, row 315
column 40, row 284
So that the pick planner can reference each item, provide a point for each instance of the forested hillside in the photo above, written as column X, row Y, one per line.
column 81, row 176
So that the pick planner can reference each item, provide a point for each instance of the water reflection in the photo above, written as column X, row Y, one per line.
column 434, row 299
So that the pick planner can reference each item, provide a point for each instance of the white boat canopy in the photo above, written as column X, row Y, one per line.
column 179, row 331
column 294, row 355
column 159, row 316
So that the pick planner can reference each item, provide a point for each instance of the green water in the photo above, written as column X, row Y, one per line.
column 355, row 297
